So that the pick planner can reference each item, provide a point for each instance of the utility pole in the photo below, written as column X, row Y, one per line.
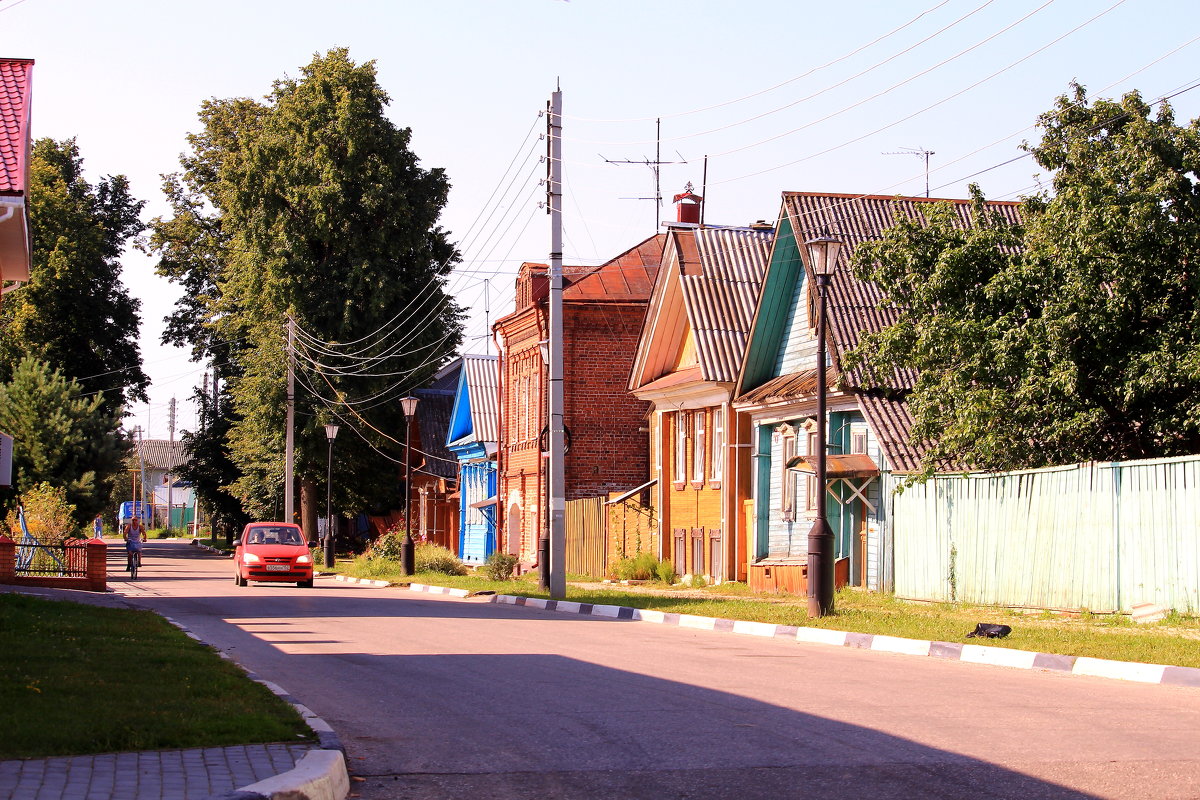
column 290, row 446
column 557, row 467
column 170, row 460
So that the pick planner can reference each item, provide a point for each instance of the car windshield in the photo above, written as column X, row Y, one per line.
column 274, row 535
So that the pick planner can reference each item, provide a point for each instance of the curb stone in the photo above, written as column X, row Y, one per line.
column 361, row 581
column 952, row 651
column 320, row 775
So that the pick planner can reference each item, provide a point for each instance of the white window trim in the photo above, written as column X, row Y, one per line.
column 698, row 441
column 718, row 445
column 679, row 467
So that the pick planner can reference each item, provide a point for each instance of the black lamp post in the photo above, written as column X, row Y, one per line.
column 822, row 255
column 331, row 431
column 407, row 554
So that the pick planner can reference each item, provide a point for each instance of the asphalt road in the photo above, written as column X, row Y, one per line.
column 445, row 698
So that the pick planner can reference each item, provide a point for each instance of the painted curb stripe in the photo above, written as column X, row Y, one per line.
column 954, row 651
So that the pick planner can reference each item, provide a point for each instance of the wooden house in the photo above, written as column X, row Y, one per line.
column 603, row 307
column 867, row 431
column 686, row 368
column 472, row 439
column 433, row 494
column 15, row 148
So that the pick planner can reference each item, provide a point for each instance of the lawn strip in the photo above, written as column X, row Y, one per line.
column 81, row 679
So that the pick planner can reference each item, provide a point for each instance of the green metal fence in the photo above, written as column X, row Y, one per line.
column 1092, row 536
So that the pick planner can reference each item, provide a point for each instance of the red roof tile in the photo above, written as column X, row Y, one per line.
column 14, row 123
column 627, row 278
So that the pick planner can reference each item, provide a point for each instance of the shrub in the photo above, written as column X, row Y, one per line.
column 642, row 567
column 433, row 558
column 48, row 515
column 665, row 572
column 389, row 546
column 499, row 566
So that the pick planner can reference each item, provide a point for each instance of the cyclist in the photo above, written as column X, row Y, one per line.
column 134, row 535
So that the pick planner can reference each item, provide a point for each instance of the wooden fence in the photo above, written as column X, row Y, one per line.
column 586, row 537
column 1098, row 536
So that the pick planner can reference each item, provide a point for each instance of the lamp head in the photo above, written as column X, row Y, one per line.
column 409, row 404
column 331, row 431
column 823, row 252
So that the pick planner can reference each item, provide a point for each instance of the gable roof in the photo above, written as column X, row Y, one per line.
column 161, row 453
column 475, row 418
column 627, row 278
column 14, row 124
column 853, row 305
column 709, row 282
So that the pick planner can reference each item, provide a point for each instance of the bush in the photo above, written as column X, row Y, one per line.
column 432, row 558
column 665, row 572
column 499, row 566
column 642, row 567
column 389, row 546
column 48, row 516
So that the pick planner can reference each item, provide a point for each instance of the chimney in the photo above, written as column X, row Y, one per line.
column 688, row 206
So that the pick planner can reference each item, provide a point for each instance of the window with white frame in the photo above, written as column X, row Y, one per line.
column 858, row 439
column 698, row 446
column 787, row 492
column 810, row 503
column 679, row 471
column 718, row 444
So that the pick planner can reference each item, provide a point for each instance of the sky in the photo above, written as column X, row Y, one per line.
column 788, row 96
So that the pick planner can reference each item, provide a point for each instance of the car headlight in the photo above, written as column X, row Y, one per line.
column 303, row 559
column 251, row 558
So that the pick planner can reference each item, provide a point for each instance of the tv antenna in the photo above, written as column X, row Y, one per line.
column 919, row 152
column 654, row 167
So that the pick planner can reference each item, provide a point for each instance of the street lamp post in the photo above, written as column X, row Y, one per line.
column 822, row 254
column 407, row 556
column 331, row 432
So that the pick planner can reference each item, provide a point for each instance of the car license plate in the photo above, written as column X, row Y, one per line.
column 277, row 567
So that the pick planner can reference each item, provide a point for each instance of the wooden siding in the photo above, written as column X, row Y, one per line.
column 1102, row 537
column 798, row 342
column 632, row 528
column 477, row 533
column 586, row 537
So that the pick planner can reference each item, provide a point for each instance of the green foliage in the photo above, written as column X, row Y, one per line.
column 75, row 313
column 434, row 558
column 209, row 466
column 1072, row 337
column 48, row 516
column 313, row 186
column 65, row 439
column 643, row 567
column 389, row 546
column 499, row 566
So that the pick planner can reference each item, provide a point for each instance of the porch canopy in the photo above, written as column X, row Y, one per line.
column 841, row 466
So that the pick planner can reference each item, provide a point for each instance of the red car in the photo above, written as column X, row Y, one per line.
column 273, row 551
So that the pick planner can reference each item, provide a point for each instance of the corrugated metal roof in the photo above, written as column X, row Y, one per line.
column 627, row 278
column 794, row 386
column 14, row 123
column 161, row 453
column 433, row 421
column 854, row 304
column 720, row 272
column 480, row 375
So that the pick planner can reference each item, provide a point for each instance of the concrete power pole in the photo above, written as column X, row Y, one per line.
column 557, row 467
column 290, row 446
column 170, row 461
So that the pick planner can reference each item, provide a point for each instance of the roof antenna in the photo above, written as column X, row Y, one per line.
column 919, row 152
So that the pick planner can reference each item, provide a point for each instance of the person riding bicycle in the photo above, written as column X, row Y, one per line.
column 134, row 535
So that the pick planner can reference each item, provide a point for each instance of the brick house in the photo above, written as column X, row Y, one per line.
column 603, row 307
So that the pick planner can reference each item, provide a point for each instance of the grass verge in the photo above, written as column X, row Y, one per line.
column 1175, row 641
column 82, row 679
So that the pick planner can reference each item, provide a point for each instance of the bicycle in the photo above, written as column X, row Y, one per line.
column 133, row 560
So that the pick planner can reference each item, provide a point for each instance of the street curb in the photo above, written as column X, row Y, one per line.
column 210, row 548
column 361, row 581
column 951, row 651
column 320, row 775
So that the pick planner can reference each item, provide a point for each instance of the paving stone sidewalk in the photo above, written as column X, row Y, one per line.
column 192, row 774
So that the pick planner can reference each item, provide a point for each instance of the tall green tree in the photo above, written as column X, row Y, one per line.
column 310, row 205
column 1074, row 336
column 64, row 438
column 75, row 313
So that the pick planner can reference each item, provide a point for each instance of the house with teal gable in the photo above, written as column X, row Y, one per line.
column 869, row 452
column 472, row 438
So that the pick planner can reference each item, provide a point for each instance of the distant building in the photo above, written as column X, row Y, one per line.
column 157, row 462
column 472, row 440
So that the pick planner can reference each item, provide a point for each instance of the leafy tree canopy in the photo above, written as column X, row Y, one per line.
column 64, row 438
column 1074, row 336
column 75, row 313
column 309, row 204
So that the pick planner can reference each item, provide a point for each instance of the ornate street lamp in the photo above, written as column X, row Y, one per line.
column 407, row 554
column 331, row 432
column 822, row 255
